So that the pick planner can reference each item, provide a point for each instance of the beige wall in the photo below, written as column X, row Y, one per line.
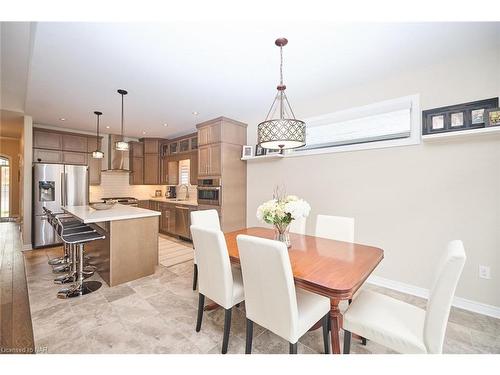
column 10, row 147
column 412, row 200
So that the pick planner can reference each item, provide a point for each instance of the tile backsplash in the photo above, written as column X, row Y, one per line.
column 116, row 184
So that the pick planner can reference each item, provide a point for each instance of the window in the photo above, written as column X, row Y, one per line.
column 389, row 123
column 184, row 167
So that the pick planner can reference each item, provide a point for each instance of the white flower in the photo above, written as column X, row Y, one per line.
column 282, row 212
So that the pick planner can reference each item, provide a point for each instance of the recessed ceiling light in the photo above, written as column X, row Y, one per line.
column 195, row 113
column 107, row 127
column 143, row 132
column 62, row 119
column 165, row 124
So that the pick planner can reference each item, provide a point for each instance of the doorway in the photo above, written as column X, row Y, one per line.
column 4, row 187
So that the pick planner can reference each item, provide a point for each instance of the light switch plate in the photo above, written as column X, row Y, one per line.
column 484, row 272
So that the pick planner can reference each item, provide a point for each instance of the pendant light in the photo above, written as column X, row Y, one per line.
column 281, row 130
column 98, row 154
column 122, row 145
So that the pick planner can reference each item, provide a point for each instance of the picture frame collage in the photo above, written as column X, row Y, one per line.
column 477, row 114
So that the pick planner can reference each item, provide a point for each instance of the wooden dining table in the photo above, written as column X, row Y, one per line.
column 334, row 269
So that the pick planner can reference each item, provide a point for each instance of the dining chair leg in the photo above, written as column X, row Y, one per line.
column 248, row 346
column 201, row 303
column 195, row 276
column 293, row 348
column 347, row 342
column 326, row 334
column 227, row 328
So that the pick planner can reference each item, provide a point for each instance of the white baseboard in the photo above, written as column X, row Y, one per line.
column 466, row 304
column 27, row 246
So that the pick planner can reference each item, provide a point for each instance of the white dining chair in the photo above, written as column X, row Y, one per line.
column 271, row 299
column 298, row 226
column 403, row 327
column 217, row 280
column 337, row 228
column 206, row 219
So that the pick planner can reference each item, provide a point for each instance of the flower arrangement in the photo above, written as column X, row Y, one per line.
column 281, row 211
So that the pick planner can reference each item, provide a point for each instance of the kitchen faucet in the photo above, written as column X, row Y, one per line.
column 187, row 190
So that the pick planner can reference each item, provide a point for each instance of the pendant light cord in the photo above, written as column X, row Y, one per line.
column 122, row 116
column 97, row 138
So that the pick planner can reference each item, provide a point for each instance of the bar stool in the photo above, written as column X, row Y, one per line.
column 70, row 222
column 72, row 226
column 62, row 228
column 78, row 240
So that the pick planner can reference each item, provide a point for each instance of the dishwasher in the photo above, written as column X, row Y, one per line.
column 182, row 221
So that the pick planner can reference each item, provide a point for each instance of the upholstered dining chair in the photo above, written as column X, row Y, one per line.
column 205, row 219
column 337, row 228
column 403, row 327
column 271, row 299
column 217, row 280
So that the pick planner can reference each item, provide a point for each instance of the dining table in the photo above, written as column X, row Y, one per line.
column 334, row 269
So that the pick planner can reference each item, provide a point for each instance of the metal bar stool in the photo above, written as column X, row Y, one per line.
column 70, row 222
column 80, row 287
column 62, row 228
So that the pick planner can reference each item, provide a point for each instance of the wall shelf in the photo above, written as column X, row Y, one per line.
column 490, row 131
column 264, row 157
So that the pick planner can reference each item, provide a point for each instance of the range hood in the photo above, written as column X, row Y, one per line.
column 117, row 160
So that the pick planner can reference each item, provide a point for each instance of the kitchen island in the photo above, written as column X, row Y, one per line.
column 130, row 249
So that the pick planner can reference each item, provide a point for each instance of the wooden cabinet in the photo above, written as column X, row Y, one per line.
column 209, row 134
column 46, row 156
column 168, row 218
column 209, row 160
column 136, row 163
column 137, row 171
column 143, row 204
column 184, row 145
column 193, row 173
column 47, row 140
column 95, row 166
column 151, row 145
column 75, row 143
column 151, row 169
column 137, row 149
column 79, row 158
column 194, row 143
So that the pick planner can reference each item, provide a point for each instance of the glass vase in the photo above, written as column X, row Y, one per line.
column 283, row 235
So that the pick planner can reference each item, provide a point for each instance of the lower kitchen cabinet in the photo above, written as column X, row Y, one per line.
column 175, row 219
column 143, row 204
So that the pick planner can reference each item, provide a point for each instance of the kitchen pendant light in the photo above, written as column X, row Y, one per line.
column 98, row 154
column 283, row 131
column 121, row 145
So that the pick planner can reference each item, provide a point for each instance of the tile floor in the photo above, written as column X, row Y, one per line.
column 157, row 314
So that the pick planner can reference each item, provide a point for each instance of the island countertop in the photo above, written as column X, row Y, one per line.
column 118, row 212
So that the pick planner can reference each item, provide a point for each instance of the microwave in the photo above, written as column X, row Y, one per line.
column 209, row 191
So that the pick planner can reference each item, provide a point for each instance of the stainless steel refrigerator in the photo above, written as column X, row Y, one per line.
column 55, row 185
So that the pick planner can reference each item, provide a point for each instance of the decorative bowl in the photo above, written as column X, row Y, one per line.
column 103, row 206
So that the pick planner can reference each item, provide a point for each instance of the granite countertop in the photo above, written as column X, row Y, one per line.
column 118, row 212
column 189, row 202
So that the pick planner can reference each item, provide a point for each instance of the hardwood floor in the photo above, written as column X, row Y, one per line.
column 173, row 251
column 16, row 331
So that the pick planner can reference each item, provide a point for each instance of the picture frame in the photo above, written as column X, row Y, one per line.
column 260, row 151
column 492, row 117
column 247, row 151
column 458, row 117
column 273, row 152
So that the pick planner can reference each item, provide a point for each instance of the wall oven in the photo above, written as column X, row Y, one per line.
column 209, row 191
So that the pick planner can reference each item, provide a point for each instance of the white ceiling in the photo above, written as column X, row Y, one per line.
column 230, row 69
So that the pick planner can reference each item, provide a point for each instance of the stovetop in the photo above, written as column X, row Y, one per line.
column 122, row 200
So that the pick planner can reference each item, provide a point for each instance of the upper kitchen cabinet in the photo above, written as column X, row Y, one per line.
column 47, row 140
column 209, row 160
column 95, row 165
column 75, row 143
column 136, row 163
column 151, row 145
column 151, row 169
column 152, row 160
column 221, row 129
